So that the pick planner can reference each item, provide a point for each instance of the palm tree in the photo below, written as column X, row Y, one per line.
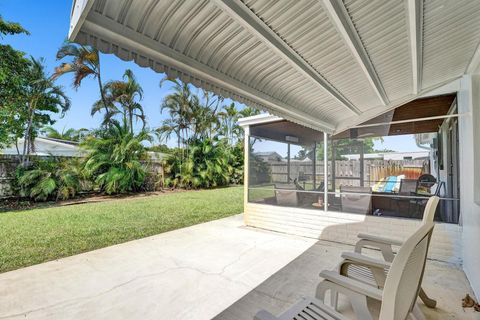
column 115, row 161
column 209, row 121
column 191, row 118
column 11, row 28
column 42, row 95
column 180, row 105
column 85, row 62
column 68, row 134
column 229, row 117
column 127, row 95
column 248, row 112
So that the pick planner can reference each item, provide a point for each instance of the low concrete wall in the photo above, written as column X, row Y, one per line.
column 344, row 227
column 8, row 164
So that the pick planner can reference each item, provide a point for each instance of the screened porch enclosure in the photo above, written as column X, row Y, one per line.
column 386, row 167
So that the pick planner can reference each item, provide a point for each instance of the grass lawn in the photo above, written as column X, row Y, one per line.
column 39, row 235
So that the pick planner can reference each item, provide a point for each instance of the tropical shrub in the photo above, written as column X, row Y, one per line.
column 58, row 179
column 206, row 163
column 237, row 163
column 115, row 160
column 260, row 172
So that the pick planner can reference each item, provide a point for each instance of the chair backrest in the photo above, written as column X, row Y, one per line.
column 356, row 199
column 407, row 186
column 405, row 275
column 430, row 209
column 286, row 194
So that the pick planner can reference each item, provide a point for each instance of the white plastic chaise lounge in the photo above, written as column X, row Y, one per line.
column 372, row 271
column 397, row 297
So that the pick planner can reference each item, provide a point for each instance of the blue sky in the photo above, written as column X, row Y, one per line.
column 48, row 22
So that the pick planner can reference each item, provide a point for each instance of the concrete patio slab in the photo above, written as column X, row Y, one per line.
column 191, row 273
column 442, row 281
column 217, row 269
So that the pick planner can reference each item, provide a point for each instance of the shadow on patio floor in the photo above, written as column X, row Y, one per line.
column 445, row 282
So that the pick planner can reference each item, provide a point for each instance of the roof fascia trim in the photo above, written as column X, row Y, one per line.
column 80, row 10
column 258, row 119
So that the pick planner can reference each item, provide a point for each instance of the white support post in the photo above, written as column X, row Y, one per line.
column 246, row 165
column 325, row 171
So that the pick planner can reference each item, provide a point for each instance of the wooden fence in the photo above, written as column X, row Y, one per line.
column 348, row 172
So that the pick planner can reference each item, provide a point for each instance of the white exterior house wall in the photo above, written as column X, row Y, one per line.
column 469, row 136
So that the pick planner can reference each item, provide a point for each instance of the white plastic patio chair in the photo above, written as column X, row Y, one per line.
column 372, row 271
column 397, row 298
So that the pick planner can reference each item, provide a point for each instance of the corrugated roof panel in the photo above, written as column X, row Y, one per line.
column 305, row 26
column 383, row 29
column 297, row 59
column 451, row 33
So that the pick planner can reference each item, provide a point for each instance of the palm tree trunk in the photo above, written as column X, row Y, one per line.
column 16, row 147
column 26, row 138
column 130, row 114
column 100, row 85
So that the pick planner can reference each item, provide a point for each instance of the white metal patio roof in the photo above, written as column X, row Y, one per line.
column 327, row 64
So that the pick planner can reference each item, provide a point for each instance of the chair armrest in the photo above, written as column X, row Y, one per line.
column 385, row 240
column 264, row 315
column 352, row 284
column 364, row 260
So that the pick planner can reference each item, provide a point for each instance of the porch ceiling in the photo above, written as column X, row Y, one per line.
column 326, row 64
column 422, row 108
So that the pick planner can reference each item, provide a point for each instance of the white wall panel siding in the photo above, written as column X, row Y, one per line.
column 344, row 227
column 382, row 27
column 451, row 35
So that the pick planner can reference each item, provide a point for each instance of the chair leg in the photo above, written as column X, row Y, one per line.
column 429, row 302
column 417, row 313
column 357, row 300
column 334, row 299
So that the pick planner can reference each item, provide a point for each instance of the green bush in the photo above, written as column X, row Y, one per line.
column 206, row 163
column 54, row 178
column 114, row 160
column 237, row 163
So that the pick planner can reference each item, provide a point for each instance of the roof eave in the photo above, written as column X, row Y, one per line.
column 258, row 119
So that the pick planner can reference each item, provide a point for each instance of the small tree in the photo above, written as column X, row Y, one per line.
column 43, row 98
column 123, row 98
column 14, row 76
column 114, row 160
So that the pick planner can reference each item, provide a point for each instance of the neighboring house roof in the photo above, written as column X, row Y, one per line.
column 73, row 143
column 269, row 155
column 47, row 146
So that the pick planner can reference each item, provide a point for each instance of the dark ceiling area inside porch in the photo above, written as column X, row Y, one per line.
column 417, row 109
column 284, row 130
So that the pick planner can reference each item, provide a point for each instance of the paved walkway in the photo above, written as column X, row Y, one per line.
column 191, row 273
